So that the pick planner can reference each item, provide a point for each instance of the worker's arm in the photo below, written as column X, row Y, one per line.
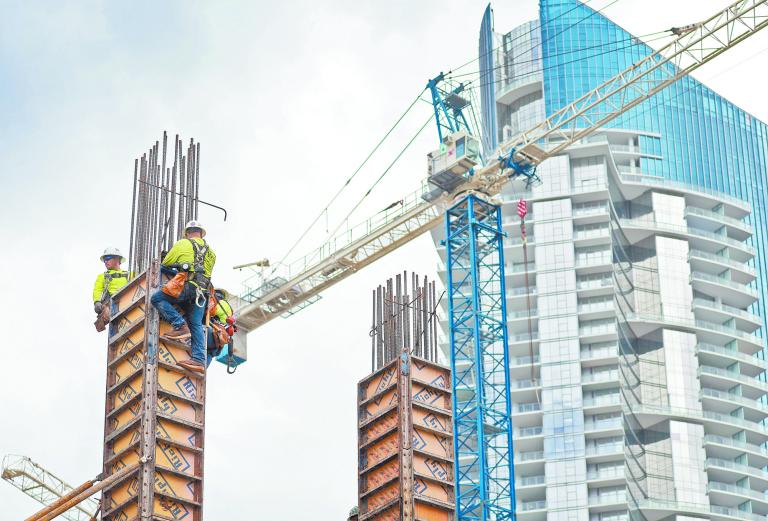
column 98, row 288
column 172, row 257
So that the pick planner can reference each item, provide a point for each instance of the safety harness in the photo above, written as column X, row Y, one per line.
column 197, row 273
column 108, row 278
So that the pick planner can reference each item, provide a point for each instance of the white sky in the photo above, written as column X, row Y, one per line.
column 286, row 100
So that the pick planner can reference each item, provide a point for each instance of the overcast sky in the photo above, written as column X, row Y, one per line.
column 286, row 99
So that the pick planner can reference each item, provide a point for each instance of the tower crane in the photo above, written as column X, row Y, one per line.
column 461, row 188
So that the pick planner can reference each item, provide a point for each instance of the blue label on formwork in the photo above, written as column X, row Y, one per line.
column 430, row 420
column 126, row 393
column 419, row 486
column 133, row 488
column 166, row 356
column 126, row 345
column 135, row 361
column 386, row 379
column 166, row 405
column 418, row 440
column 176, row 510
column 439, row 382
column 437, row 469
column 426, row 396
column 191, row 487
column 191, row 439
column 187, row 387
column 160, row 432
column 176, row 458
column 162, row 485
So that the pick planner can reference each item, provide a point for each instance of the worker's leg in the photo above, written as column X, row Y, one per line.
column 164, row 304
column 194, row 315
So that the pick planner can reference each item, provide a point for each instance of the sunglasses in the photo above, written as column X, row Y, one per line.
column 110, row 257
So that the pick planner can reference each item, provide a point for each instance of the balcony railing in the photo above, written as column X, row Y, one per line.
column 698, row 275
column 741, row 266
column 651, row 222
column 602, row 352
column 597, row 401
column 709, row 304
column 608, row 448
column 666, row 183
column 528, row 407
column 524, row 360
column 528, row 481
column 746, row 380
column 528, row 432
column 532, row 455
column 692, row 210
column 732, row 353
column 733, row 489
column 599, row 425
column 594, row 283
column 602, row 376
column 750, row 447
column 526, row 506
column 735, row 398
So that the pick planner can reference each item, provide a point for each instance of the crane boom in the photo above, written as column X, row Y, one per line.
column 694, row 46
column 40, row 484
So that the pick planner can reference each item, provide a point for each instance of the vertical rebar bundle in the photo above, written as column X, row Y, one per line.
column 164, row 199
column 404, row 320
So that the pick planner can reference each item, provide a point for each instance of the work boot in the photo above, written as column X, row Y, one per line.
column 193, row 365
column 179, row 334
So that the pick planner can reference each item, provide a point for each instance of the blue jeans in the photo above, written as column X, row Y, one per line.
column 165, row 305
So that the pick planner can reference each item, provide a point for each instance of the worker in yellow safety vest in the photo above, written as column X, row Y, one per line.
column 192, row 259
column 107, row 284
column 222, row 323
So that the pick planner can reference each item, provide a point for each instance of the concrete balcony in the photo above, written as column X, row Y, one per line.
column 699, row 196
column 716, row 355
column 731, row 495
column 607, row 477
column 713, row 311
column 720, row 447
column 731, row 293
column 725, row 403
column 639, row 228
column 712, row 221
column 602, row 404
column 713, row 264
column 730, row 471
column 724, row 379
column 715, row 423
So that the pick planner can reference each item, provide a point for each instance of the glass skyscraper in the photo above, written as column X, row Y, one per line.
column 636, row 342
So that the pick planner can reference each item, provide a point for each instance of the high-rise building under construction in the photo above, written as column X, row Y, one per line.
column 637, row 356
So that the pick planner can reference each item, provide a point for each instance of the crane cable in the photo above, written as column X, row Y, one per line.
column 324, row 211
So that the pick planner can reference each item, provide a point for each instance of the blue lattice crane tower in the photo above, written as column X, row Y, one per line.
column 483, row 450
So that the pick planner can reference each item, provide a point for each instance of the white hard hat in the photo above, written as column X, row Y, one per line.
column 112, row 252
column 194, row 224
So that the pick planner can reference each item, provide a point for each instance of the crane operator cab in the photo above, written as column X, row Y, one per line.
column 450, row 165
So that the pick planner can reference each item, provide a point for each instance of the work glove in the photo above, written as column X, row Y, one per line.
column 97, row 307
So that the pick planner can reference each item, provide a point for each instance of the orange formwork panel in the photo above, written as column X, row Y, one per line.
column 154, row 414
column 405, row 446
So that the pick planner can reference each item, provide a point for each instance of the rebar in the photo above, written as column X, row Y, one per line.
column 164, row 199
column 404, row 320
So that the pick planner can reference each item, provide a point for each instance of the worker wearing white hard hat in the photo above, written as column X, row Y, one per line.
column 108, row 283
column 194, row 258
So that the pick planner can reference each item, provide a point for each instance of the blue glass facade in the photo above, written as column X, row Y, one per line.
column 701, row 138
column 488, row 85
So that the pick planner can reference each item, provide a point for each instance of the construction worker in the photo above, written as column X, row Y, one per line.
column 107, row 284
column 193, row 257
column 222, row 322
